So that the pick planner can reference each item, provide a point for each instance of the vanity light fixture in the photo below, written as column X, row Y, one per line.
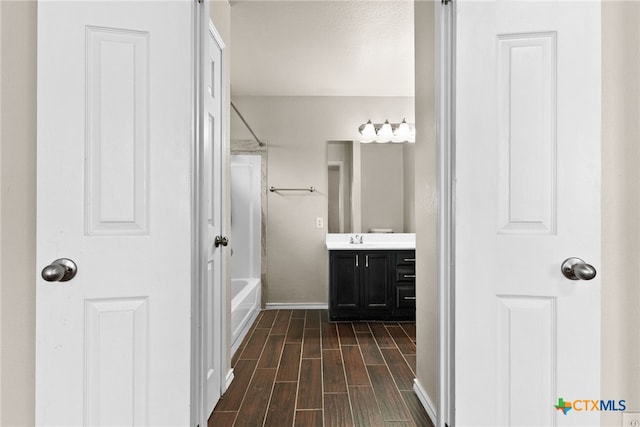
column 387, row 132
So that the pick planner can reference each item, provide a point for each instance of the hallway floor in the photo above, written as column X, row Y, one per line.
column 295, row 368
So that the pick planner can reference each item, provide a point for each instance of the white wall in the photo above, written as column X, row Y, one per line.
column 297, row 130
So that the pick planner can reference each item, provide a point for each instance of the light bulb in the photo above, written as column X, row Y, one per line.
column 368, row 131
column 402, row 133
column 385, row 133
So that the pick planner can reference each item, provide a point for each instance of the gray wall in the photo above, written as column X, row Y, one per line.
column 425, row 200
column 409, row 179
column 17, row 211
column 297, row 130
column 620, row 205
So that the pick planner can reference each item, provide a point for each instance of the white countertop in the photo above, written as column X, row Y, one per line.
column 371, row 241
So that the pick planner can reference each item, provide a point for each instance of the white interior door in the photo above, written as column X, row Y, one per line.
column 527, row 197
column 115, row 126
column 213, row 186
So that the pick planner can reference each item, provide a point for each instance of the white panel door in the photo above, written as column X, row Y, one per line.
column 527, row 197
column 115, row 139
column 213, row 185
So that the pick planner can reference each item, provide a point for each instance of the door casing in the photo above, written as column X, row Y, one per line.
column 445, row 173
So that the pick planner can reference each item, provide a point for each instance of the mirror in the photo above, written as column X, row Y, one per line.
column 370, row 187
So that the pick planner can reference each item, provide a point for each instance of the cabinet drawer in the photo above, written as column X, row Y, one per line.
column 406, row 274
column 405, row 297
column 406, row 258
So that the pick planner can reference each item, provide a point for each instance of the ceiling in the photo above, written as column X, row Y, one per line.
column 322, row 48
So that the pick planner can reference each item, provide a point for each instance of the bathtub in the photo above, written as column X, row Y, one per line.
column 245, row 306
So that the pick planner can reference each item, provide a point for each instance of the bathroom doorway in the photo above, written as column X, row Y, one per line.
column 315, row 73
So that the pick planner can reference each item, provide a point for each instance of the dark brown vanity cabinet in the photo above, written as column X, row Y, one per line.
column 405, row 285
column 372, row 285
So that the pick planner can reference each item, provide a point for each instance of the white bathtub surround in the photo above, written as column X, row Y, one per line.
column 229, row 379
column 246, row 178
column 339, row 241
column 250, row 148
column 246, row 295
column 246, row 244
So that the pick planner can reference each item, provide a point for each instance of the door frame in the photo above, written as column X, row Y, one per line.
column 203, row 28
column 445, row 173
column 197, row 211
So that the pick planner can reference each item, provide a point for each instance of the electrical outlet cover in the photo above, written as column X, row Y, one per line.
column 631, row 419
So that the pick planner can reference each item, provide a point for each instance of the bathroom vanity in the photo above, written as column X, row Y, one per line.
column 372, row 280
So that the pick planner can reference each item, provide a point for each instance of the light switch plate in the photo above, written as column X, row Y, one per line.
column 631, row 419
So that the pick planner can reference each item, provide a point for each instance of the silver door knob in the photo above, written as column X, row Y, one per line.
column 576, row 269
column 60, row 270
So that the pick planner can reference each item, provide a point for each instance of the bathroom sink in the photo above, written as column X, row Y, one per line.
column 371, row 241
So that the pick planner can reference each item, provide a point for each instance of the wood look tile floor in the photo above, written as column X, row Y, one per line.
column 295, row 368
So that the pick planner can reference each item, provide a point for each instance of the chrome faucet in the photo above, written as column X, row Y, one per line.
column 357, row 239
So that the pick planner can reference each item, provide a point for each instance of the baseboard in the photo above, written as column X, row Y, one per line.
column 295, row 306
column 228, row 380
column 426, row 402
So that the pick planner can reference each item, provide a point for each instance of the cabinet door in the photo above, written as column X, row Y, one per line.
column 345, row 280
column 375, row 286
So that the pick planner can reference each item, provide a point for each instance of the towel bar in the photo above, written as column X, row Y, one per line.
column 309, row 189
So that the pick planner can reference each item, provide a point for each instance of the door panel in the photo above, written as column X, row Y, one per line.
column 213, row 197
column 115, row 97
column 527, row 197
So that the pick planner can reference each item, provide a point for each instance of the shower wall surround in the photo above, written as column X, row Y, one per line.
column 250, row 147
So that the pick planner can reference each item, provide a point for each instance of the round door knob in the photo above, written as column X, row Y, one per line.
column 60, row 270
column 221, row 241
column 576, row 269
